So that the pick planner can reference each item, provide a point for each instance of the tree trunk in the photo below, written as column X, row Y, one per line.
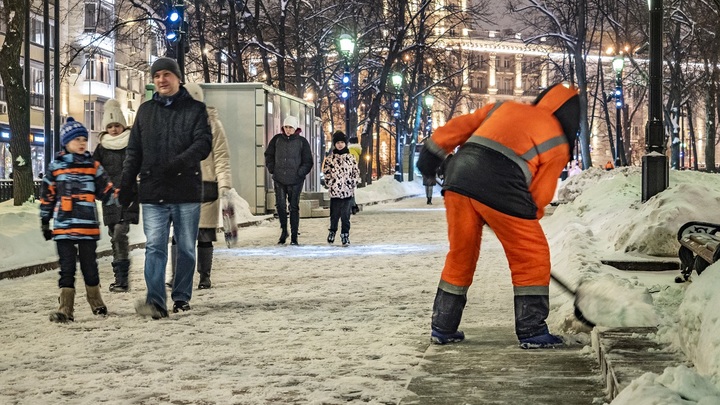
column 17, row 100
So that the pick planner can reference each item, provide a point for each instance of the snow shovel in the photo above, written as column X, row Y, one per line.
column 578, row 313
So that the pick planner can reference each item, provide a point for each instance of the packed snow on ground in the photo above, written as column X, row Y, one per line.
column 601, row 217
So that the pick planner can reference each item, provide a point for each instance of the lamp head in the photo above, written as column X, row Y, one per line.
column 397, row 80
column 347, row 44
column 618, row 63
column 429, row 100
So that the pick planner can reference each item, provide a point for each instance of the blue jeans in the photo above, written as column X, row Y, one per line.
column 156, row 224
column 285, row 194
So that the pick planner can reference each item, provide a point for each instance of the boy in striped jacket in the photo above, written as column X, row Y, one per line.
column 72, row 183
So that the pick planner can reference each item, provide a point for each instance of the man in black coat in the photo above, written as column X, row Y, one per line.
column 169, row 138
column 289, row 159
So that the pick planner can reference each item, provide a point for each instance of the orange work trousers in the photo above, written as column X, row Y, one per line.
column 523, row 240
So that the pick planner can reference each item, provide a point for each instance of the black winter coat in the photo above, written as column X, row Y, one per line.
column 289, row 158
column 112, row 161
column 167, row 144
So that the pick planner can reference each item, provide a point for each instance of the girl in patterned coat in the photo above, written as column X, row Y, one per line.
column 341, row 173
column 72, row 183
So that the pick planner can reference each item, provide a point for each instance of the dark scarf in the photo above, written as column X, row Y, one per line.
column 166, row 101
column 341, row 151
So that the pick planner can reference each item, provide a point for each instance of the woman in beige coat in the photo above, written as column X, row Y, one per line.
column 215, row 169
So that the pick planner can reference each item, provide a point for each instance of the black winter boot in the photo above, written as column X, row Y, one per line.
column 331, row 237
column 283, row 236
column 447, row 313
column 67, row 304
column 531, row 311
column 121, row 268
column 204, row 265
column 173, row 264
column 95, row 300
column 429, row 201
column 345, row 238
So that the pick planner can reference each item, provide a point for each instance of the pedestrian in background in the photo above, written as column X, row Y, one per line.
column 289, row 159
column 69, row 189
column 110, row 153
column 503, row 175
column 429, row 181
column 217, row 181
column 341, row 174
column 356, row 151
column 169, row 138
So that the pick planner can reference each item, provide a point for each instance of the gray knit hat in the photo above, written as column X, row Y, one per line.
column 165, row 64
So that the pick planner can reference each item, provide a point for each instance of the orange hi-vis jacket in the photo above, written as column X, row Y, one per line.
column 510, row 157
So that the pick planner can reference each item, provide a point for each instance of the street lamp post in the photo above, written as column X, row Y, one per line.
column 429, row 101
column 397, row 80
column 347, row 45
column 654, row 162
column 618, row 64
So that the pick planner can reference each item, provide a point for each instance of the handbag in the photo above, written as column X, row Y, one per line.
column 209, row 191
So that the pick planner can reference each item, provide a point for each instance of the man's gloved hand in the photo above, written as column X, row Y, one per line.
column 126, row 196
column 173, row 167
column 47, row 232
column 428, row 163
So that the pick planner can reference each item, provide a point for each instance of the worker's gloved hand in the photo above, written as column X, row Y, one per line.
column 428, row 163
column 443, row 167
column 47, row 232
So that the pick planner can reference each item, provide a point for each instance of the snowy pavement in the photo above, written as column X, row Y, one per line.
column 309, row 324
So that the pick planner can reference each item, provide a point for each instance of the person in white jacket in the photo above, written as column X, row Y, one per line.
column 217, row 181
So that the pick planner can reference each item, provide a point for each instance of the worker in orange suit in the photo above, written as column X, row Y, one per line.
column 502, row 175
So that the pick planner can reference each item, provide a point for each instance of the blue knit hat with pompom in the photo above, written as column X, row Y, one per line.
column 71, row 130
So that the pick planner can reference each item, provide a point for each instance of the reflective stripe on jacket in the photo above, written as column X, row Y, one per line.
column 510, row 156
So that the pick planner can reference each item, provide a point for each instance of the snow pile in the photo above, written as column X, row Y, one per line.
column 603, row 218
column 677, row 385
column 387, row 188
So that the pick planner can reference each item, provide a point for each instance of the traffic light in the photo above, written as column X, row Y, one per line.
column 174, row 23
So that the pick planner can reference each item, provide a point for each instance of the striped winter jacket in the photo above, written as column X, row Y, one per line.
column 68, row 194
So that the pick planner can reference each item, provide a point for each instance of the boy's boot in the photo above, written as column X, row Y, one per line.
column 173, row 264
column 121, row 268
column 331, row 237
column 95, row 300
column 205, row 256
column 345, row 239
column 67, row 302
column 447, row 313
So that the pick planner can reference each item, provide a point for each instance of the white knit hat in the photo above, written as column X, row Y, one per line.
column 113, row 114
column 195, row 91
column 290, row 121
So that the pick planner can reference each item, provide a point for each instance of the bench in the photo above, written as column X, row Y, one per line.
column 699, row 243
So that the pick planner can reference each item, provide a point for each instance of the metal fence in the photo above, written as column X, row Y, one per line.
column 6, row 189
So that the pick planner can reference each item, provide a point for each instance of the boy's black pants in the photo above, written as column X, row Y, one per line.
column 69, row 253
